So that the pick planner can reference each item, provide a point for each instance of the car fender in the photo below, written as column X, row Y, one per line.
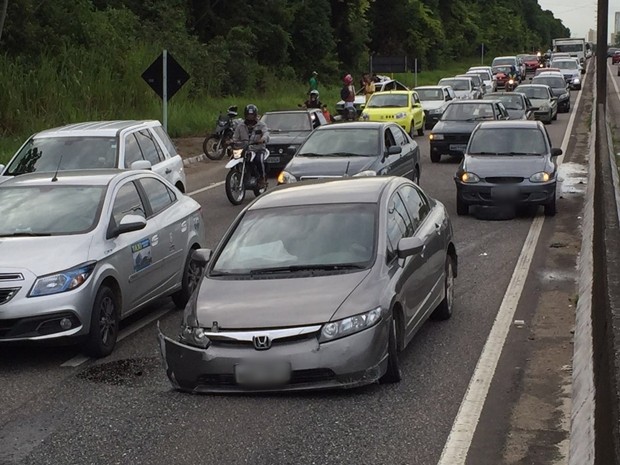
column 232, row 163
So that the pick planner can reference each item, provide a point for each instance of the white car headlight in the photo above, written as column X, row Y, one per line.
column 542, row 176
column 576, row 80
column 470, row 178
column 544, row 106
column 365, row 173
column 286, row 178
column 347, row 326
column 62, row 281
column 400, row 115
column 436, row 137
column 194, row 337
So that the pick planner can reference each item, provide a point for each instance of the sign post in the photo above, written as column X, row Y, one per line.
column 164, row 89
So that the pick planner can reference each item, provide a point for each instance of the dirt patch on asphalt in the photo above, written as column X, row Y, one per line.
column 189, row 147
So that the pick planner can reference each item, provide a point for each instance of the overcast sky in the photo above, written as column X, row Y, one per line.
column 580, row 15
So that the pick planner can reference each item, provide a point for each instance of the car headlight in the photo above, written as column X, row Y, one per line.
column 576, row 80
column 436, row 137
column 286, row 178
column 400, row 115
column 194, row 336
column 469, row 178
column 62, row 281
column 347, row 326
column 541, row 176
column 544, row 107
column 563, row 96
column 365, row 173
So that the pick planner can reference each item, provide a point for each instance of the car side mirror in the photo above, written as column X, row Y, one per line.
column 555, row 152
column 201, row 256
column 1, row 168
column 394, row 150
column 127, row 224
column 291, row 150
column 140, row 165
column 408, row 246
column 583, row 71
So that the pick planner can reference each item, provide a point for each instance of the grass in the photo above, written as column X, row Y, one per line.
column 61, row 89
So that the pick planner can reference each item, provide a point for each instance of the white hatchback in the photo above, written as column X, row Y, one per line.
column 100, row 144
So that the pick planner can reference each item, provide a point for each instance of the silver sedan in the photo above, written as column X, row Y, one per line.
column 80, row 250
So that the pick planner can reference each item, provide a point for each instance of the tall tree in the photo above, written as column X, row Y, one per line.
column 5, row 5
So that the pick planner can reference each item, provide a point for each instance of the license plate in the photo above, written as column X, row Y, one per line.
column 504, row 193
column 263, row 374
column 271, row 159
column 458, row 147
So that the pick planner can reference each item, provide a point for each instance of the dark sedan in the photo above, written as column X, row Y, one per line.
column 517, row 104
column 287, row 131
column 451, row 134
column 508, row 163
column 559, row 88
column 354, row 149
column 314, row 286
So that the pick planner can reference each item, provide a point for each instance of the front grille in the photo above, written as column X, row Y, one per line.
column 456, row 138
column 11, row 277
column 313, row 375
column 8, row 294
column 504, row 180
column 278, row 149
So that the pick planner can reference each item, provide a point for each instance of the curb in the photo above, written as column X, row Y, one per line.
column 196, row 159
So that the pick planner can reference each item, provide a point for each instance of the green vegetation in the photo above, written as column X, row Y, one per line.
column 63, row 61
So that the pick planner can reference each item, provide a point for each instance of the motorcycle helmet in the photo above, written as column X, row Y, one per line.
column 250, row 114
column 348, row 79
column 314, row 94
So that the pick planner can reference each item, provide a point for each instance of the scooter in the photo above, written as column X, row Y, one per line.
column 242, row 175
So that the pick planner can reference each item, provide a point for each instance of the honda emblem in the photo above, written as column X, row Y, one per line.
column 261, row 342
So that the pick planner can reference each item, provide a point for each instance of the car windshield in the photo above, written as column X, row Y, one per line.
column 298, row 121
column 339, row 141
column 388, row 101
column 456, row 84
column 430, row 94
column 48, row 154
column 475, row 78
column 550, row 81
column 533, row 92
column 530, row 58
column 564, row 64
column 511, row 101
column 508, row 141
column 471, row 111
column 49, row 210
column 300, row 238
column 502, row 69
column 503, row 61
column 482, row 75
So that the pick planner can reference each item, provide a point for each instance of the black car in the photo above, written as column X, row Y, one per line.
column 508, row 163
column 451, row 134
column 517, row 104
column 287, row 130
column 354, row 149
column 559, row 89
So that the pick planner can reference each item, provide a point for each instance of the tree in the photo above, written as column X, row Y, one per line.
column 5, row 5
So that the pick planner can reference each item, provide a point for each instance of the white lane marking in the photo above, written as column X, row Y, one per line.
column 464, row 426
column 212, row 186
column 125, row 332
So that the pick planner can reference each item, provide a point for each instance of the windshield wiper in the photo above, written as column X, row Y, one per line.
column 310, row 154
column 313, row 267
column 25, row 234
column 522, row 153
column 479, row 118
column 483, row 153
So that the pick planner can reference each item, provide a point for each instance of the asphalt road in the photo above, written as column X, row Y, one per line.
column 122, row 409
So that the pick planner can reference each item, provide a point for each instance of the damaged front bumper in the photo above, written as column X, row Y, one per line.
column 351, row 361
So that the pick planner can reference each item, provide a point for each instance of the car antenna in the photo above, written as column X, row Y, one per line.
column 55, row 178
column 346, row 171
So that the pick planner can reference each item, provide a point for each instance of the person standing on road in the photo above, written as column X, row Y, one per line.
column 347, row 93
column 369, row 86
column 313, row 81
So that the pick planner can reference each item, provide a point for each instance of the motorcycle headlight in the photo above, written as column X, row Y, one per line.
column 511, row 81
column 237, row 153
column 347, row 326
column 365, row 173
column 286, row 178
column 400, row 115
column 436, row 137
column 469, row 178
column 194, row 336
column 62, row 281
column 541, row 176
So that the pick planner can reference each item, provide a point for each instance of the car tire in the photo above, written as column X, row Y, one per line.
column 462, row 208
column 444, row 309
column 435, row 157
column 393, row 374
column 191, row 276
column 555, row 117
column 104, row 324
column 421, row 130
column 550, row 207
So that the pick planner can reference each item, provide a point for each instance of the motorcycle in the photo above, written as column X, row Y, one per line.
column 510, row 85
column 243, row 173
column 219, row 143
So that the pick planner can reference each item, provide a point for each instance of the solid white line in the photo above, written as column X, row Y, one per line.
column 464, row 426
column 125, row 332
column 209, row 187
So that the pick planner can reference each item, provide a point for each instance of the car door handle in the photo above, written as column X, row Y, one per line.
column 168, row 171
column 423, row 250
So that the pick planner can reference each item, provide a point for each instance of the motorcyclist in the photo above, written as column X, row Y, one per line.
column 254, row 132
column 313, row 100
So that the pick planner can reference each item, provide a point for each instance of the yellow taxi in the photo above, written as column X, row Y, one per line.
column 402, row 107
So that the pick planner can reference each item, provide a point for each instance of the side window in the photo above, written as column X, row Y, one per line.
column 161, row 133
column 127, row 202
column 321, row 118
column 149, row 147
column 416, row 99
column 399, row 138
column 400, row 86
column 399, row 224
column 159, row 196
column 132, row 150
column 416, row 203
column 389, row 139
column 390, row 86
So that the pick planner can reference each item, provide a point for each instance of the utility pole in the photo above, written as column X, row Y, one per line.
column 5, row 5
column 601, row 55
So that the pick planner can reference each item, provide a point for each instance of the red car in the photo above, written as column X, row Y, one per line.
column 615, row 58
column 531, row 63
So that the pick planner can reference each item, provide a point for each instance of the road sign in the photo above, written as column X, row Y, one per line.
column 154, row 76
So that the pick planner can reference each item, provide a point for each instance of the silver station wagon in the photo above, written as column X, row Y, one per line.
column 80, row 250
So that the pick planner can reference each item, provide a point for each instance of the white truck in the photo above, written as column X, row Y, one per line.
column 576, row 47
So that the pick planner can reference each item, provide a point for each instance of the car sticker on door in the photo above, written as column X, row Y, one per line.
column 141, row 254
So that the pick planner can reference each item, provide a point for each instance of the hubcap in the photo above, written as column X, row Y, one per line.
column 214, row 146
column 236, row 186
column 193, row 275
column 449, row 286
column 107, row 320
